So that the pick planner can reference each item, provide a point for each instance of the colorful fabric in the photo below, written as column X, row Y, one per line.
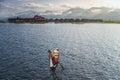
column 55, row 57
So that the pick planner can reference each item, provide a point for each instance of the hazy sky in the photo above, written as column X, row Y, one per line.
column 72, row 3
column 10, row 7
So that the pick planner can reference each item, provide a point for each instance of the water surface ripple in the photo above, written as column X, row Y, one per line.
column 88, row 51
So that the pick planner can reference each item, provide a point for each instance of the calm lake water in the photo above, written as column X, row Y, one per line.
column 88, row 51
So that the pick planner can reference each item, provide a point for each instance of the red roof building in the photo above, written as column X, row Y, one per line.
column 36, row 17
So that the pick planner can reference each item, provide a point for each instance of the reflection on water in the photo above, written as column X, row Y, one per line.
column 56, row 75
column 88, row 51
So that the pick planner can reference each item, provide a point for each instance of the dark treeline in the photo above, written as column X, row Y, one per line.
column 40, row 19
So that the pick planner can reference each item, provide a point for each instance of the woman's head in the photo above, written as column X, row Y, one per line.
column 57, row 49
column 49, row 51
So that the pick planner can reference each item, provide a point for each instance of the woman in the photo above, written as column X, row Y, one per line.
column 54, row 55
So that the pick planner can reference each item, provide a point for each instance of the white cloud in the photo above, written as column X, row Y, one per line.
column 46, row 7
column 11, row 7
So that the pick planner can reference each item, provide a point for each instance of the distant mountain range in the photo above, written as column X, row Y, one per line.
column 92, row 13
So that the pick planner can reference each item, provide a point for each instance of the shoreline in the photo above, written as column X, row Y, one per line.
column 104, row 21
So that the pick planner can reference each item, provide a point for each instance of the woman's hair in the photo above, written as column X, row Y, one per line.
column 49, row 51
column 57, row 49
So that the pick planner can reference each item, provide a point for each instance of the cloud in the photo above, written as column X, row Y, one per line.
column 66, row 6
column 6, row 10
column 43, row 7
column 14, row 7
column 1, row 0
column 9, row 8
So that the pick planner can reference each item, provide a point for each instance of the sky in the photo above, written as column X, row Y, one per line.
column 74, row 3
column 9, row 7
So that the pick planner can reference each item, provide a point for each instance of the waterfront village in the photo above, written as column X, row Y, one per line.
column 40, row 19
